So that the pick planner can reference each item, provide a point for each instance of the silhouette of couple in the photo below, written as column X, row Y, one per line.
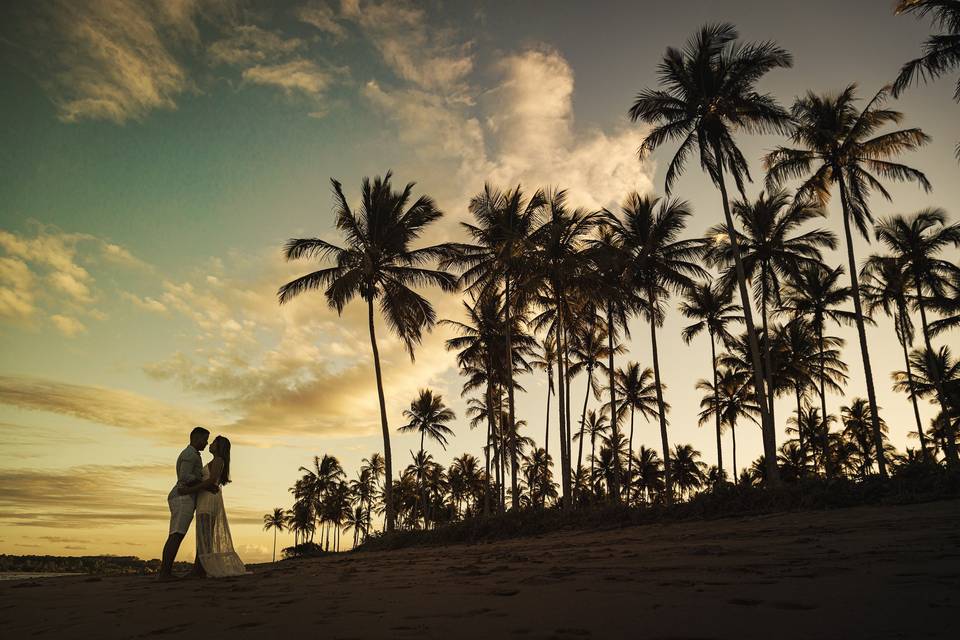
column 198, row 491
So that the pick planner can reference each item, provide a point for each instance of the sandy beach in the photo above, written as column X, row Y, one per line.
column 866, row 572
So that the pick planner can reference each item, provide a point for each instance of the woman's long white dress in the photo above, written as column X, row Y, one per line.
column 214, row 544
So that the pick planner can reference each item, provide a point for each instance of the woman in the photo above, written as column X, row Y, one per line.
column 215, row 555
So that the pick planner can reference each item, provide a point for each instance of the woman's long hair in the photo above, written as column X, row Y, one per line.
column 223, row 452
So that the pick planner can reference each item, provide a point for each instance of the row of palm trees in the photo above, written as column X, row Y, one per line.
column 534, row 264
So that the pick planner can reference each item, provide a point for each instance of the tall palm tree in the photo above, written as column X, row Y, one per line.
column 378, row 265
column 917, row 240
column 709, row 95
column 730, row 400
column 941, row 52
column 710, row 304
column 948, row 306
column 638, row 390
column 276, row 521
column 557, row 265
column 659, row 263
column 886, row 287
column 610, row 284
column 837, row 144
column 771, row 248
column 499, row 255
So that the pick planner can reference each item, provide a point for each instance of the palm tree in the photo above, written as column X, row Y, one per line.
column 857, row 427
column 689, row 471
column 595, row 425
column 658, row 263
column 466, row 481
column 839, row 145
column 636, row 387
column 917, row 241
column 357, row 520
column 428, row 416
column 589, row 349
column 886, row 288
column 948, row 306
column 930, row 371
column 710, row 94
column 276, row 521
column 373, row 467
column 378, row 265
column 711, row 306
column 539, row 478
column 941, row 52
column 649, row 474
column 814, row 293
column 729, row 399
column 770, row 249
column 545, row 360
column 557, row 265
column 500, row 255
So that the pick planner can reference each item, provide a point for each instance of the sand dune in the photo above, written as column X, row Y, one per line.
column 868, row 572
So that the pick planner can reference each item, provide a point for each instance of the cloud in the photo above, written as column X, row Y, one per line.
column 133, row 412
column 68, row 326
column 429, row 57
column 146, row 303
column 321, row 16
column 522, row 131
column 292, row 370
column 47, row 269
column 115, row 60
column 297, row 76
column 248, row 44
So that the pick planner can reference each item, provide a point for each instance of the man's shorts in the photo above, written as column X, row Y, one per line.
column 181, row 513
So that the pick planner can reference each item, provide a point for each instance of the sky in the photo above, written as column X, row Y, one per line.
column 157, row 155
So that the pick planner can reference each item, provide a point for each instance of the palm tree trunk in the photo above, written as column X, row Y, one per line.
column 861, row 332
column 274, row 544
column 803, row 451
column 614, row 426
column 952, row 455
column 630, row 457
column 546, row 430
column 716, row 404
column 561, row 399
column 583, row 415
column 913, row 397
column 733, row 434
column 662, row 414
column 387, row 458
column 420, row 480
column 768, row 368
column 767, row 428
column 490, row 430
column 514, row 498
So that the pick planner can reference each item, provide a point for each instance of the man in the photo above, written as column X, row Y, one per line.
column 182, row 499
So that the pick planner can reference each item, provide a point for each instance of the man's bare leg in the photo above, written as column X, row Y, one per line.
column 169, row 555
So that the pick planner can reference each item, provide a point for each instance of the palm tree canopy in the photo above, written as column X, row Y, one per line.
column 814, row 292
column 378, row 262
column 428, row 416
column 917, row 240
column 709, row 93
column 711, row 305
column 941, row 52
column 771, row 248
column 839, row 143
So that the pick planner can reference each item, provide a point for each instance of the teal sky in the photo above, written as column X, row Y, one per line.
column 157, row 155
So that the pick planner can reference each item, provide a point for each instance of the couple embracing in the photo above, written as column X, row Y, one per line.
column 198, row 491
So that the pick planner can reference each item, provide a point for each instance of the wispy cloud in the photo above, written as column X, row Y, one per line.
column 297, row 76
column 145, row 416
column 321, row 16
column 249, row 44
column 67, row 325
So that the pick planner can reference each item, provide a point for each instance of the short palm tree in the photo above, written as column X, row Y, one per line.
column 917, row 241
column 638, row 390
column 689, row 471
column 930, row 371
column 595, row 425
column 839, row 145
column 378, row 265
column 941, row 52
column 709, row 94
column 648, row 478
column 710, row 304
column 857, row 430
column 730, row 400
column 276, row 521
